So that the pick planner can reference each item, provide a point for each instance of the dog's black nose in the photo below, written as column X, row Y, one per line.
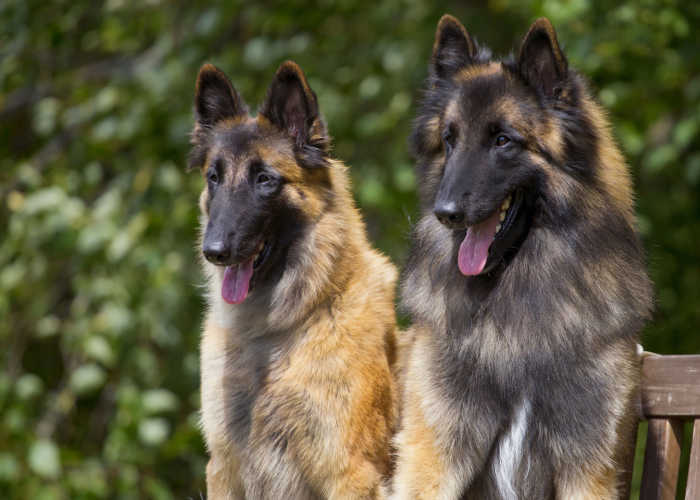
column 448, row 213
column 216, row 252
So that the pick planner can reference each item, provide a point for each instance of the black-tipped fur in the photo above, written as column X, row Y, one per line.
column 521, row 381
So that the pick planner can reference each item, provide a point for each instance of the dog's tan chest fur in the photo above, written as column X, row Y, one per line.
column 307, row 410
column 321, row 392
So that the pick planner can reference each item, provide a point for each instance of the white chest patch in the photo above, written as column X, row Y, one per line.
column 510, row 453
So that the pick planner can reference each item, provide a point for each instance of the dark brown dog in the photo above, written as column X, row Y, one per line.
column 526, row 283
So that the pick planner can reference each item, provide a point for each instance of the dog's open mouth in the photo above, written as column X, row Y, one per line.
column 237, row 277
column 262, row 254
column 475, row 249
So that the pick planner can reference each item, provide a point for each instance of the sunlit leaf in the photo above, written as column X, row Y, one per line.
column 44, row 459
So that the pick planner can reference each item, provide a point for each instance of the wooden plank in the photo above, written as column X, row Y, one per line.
column 660, row 476
column 692, row 489
column 629, row 467
column 671, row 386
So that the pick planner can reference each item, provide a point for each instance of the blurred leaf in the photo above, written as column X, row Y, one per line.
column 153, row 431
column 99, row 349
column 159, row 401
column 44, row 460
column 87, row 378
column 9, row 468
column 29, row 386
column 89, row 479
column 45, row 116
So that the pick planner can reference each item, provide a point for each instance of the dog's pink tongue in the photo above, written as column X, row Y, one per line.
column 474, row 250
column 234, row 289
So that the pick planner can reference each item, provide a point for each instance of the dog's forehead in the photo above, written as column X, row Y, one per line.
column 247, row 143
column 250, row 138
column 238, row 139
column 480, row 93
column 484, row 94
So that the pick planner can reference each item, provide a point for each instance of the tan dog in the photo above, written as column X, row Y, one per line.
column 299, row 337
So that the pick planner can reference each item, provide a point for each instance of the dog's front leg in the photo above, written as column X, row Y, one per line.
column 601, row 484
column 359, row 481
column 223, row 479
column 426, row 470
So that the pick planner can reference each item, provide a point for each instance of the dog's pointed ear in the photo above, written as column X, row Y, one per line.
column 453, row 49
column 291, row 105
column 541, row 61
column 215, row 98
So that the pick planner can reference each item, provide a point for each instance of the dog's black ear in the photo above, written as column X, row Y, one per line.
column 541, row 61
column 453, row 48
column 215, row 98
column 291, row 104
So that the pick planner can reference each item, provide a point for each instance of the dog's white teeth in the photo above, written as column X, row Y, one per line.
column 498, row 227
column 261, row 247
column 504, row 208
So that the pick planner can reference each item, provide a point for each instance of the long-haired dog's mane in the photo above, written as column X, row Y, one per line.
column 583, row 214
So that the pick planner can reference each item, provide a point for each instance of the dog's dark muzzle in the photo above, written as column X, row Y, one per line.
column 449, row 214
column 217, row 252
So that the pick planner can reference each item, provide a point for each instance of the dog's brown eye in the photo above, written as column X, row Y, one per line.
column 213, row 177
column 262, row 178
column 502, row 140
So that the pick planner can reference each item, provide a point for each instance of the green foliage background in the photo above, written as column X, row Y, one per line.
column 99, row 286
